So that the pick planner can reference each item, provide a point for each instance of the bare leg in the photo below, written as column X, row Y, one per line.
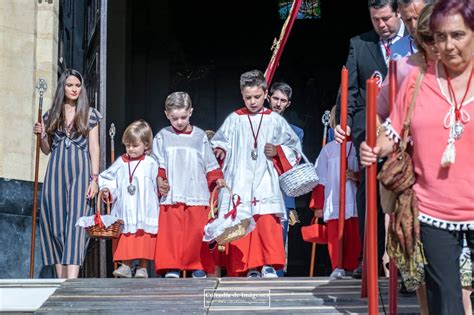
column 466, row 301
column 422, row 299
column 72, row 271
column 61, row 271
column 143, row 263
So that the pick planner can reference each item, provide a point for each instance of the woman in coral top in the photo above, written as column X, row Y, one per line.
column 443, row 143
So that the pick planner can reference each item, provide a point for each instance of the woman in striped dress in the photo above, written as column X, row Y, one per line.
column 71, row 135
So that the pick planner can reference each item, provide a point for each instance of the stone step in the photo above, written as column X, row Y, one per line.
column 26, row 295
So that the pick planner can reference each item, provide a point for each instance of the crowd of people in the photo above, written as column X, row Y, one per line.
column 161, row 187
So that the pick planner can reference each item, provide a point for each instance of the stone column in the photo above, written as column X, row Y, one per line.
column 28, row 51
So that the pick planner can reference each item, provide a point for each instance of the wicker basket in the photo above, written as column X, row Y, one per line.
column 231, row 233
column 100, row 231
column 299, row 180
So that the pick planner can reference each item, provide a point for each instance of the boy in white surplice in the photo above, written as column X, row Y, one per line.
column 256, row 145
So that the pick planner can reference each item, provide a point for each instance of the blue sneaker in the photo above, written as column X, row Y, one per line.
column 269, row 272
column 252, row 273
column 199, row 274
column 172, row 274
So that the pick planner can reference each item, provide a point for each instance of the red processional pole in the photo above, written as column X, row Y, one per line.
column 343, row 167
column 371, row 197
column 279, row 45
column 393, row 280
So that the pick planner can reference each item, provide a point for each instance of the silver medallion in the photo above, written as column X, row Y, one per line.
column 458, row 129
column 131, row 189
column 254, row 154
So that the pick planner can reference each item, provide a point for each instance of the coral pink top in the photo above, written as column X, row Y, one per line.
column 445, row 195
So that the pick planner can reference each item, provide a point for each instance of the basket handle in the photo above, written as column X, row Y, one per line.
column 99, row 201
column 213, row 206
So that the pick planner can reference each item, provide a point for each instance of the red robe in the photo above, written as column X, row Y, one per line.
column 351, row 240
column 264, row 245
column 179, row 244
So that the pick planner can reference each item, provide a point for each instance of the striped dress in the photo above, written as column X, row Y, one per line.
column 63, row 199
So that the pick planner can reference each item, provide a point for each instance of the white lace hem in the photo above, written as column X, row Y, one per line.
column 89, row 221
column 446, row 225
column 215, row 228
column 390, row 132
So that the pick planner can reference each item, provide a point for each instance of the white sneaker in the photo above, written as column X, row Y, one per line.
column 338, row 274
column 123, row 271
column 269, row 272
column 172, row 274
column 141, row 273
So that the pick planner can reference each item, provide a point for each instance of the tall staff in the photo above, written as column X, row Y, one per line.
column 325, row 120
column 371, row 197
column 343, row 166
column 393, row 280
column 112, row 160
column 41, row 86
column 279, row 45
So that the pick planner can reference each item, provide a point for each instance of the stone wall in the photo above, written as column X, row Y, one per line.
column 28, row 51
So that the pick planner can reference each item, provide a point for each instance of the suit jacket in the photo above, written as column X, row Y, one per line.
column 364, row 58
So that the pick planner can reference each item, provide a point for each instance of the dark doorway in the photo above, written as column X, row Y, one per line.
column 202, row 47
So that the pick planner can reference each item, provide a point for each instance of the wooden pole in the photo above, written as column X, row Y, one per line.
column 393, row 280
column 41, row 86
column 371, row 197
column 343, row 167
column 112, row 160
column 325, row 120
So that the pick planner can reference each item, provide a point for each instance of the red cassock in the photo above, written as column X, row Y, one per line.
column 264, row 245
column 351, row 240
column 138, row 245
column 179, row 242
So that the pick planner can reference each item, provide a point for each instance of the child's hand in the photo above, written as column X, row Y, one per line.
column 270, row 150
column 219, row 153
column 163, row 186
column 220, row 183
column 106, row 194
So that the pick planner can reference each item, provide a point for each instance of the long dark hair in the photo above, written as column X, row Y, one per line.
column 57, row 119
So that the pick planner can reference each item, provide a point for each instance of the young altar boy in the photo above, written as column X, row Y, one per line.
column 257, row 145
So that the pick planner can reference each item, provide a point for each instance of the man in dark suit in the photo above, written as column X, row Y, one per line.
column 369, row 54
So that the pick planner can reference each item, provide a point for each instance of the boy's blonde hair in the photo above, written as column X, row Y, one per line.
column 138, row 130
column 178, row 100
column 210, row 133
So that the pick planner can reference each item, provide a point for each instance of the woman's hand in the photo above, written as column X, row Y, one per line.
column 340, row 134
column 220, row 183
column 270, row 150
column 92, row 189
column 38, row 128
column 163, row 186
column 368, row 155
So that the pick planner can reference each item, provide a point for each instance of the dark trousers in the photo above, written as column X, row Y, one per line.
column 442, row 276
column 361, row 204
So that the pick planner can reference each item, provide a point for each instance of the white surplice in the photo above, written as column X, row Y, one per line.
column 186, row 158
column 254, row 181
column 328, row 170
column 139, row 211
